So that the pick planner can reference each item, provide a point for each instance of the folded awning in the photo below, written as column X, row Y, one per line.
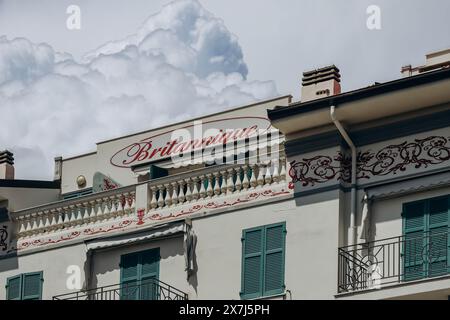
column 396, row 189
column 156, row 233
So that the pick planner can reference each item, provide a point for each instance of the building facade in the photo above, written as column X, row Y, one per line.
column 339, row 196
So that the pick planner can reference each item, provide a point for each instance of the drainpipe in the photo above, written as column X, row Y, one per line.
column 353, row 240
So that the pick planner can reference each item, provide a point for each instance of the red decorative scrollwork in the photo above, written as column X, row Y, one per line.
column 420, row 153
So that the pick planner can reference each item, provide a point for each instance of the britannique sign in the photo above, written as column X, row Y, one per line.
column 197, row 136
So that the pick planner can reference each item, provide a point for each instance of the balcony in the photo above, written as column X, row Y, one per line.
column 171, row 197
column 150, row 289
column 398, row 260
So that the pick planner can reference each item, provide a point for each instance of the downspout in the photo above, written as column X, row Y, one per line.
column 353, row 240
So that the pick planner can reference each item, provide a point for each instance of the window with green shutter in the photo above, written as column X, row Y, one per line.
column 426, row 245
column 138, row 272
column 263, row 254
column 27, row 286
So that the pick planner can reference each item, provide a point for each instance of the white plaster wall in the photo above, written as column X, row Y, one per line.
column 81, row 166
column 311, row 247
column 53, row 263
column 387, row 213
column 21, row 198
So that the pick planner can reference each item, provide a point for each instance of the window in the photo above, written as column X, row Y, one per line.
column 263, row 252
column 77, row 194
column 27, row 286
column 426, row 243
column 157, row 172
column 139, row 272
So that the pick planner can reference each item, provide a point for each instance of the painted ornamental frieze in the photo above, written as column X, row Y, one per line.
column 389, row 160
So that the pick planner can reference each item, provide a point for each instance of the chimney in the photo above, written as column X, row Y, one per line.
column 321, row 83
column 435, row 61
column 58, row 169
column 6, row 165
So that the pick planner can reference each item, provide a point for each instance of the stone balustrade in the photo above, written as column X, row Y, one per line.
column 159, row 195
column 66, row 214
column 209, row 184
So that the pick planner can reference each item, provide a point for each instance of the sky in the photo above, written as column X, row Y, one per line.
column 63, row 90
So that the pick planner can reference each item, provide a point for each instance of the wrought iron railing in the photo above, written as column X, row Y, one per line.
column 150, row 289
column 376, row 264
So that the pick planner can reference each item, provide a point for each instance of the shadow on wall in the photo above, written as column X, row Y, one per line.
column 192, row 274
column 8, row 256
column 9, row 263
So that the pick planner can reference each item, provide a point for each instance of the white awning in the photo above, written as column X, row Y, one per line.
column 395, row 189
column 156, row 233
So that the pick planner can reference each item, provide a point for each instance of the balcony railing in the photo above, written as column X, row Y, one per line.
column 150, row 289
column 373, row 265
column 174, row 193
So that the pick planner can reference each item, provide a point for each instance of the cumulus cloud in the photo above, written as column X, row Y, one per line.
column 182, row 62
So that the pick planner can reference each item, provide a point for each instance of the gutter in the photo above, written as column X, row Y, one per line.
column 352, row 146
column 359, row 94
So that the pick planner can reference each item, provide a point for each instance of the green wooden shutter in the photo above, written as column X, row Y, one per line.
column 252, row 258
column 414, row 241
column 149, row 264
column 274, row 259
column 438, row 237
column 14, row 288
column 32, row 286
column 129, row 277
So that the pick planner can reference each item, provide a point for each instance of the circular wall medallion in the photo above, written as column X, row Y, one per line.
column 81, row 181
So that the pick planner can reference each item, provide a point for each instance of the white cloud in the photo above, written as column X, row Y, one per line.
column 182, row 62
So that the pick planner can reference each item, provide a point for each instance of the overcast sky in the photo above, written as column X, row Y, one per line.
column 220, row 52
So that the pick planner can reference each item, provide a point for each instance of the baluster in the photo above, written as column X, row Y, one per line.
column 132, row 200
column 106, row 209
column 66, row 216
column 22, row 225
column 28, row 225
column 276, row 174
column 210, row 191
column 38, row 222
column 253, row 181
column 260, row 179
column 238, row 183
column 230, row 183
column 80, row 213
column 283, row 170
column 115, row 207
column 181, row 196
column 33, row 223
column 189, row 195
column 174, row 193
column 168, row 197
column 196, row 188
column 161, row 196
column 73, row 215
column 217, row 189
column 245, row 181
column 223, row 188
column 202, row 191
column 59, row 218
column 87, row 212
column 100, row 209
column 47, row 220
column 153, row 202
column 268, row 176
column 124, row 205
